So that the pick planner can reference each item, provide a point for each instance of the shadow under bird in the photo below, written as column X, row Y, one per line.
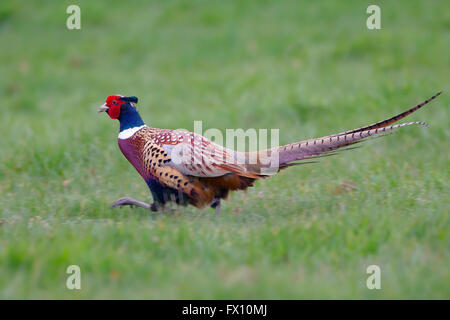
column 186, row 168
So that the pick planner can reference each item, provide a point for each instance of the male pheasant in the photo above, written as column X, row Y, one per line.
column 184, row 167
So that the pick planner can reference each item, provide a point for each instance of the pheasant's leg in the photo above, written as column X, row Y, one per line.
column 155, row 206
column 216, row 204
column 133, row 202
column 218, row 207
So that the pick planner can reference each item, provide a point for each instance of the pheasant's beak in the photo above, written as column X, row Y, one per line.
column 102, row 108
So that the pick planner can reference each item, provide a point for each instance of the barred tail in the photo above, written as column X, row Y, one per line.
column 394, row 119
column 326, row 145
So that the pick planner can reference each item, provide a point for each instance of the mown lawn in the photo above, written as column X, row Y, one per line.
column 307, row 68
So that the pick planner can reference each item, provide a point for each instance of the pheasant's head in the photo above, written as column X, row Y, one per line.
column 117, row 104
column 123, row 109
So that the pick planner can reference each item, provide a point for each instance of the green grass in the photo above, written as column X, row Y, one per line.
column 309, row 68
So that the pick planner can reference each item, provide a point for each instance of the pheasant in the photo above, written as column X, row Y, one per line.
column 186, row 168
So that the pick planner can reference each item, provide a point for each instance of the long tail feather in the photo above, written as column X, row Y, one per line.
column 394, row 119
column 318, row 147
column 328, row 145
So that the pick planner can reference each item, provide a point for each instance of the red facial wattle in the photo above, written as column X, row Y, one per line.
column 114, row 112
column 114, row 104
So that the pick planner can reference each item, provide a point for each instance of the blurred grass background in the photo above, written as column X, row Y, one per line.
column 308, row 68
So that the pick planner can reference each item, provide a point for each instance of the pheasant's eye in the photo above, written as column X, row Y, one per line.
column 114, row 102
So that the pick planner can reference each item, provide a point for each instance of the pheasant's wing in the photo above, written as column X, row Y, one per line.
column 195, row 155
